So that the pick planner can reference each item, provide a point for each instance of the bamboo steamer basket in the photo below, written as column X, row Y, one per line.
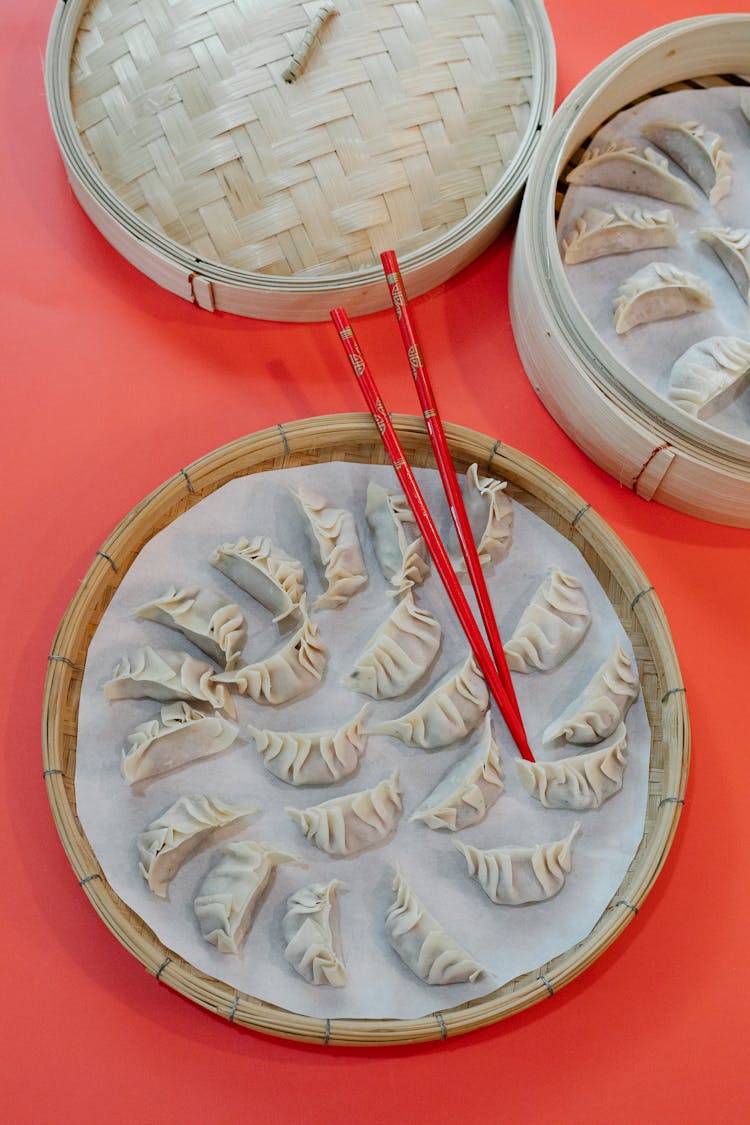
column 646, row 443
column 353, row 437
column 410, row 130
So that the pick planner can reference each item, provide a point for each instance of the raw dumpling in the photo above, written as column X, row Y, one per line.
column 335, row 534
column 732, row 248
column 183, row 734
column 551, row 626
column 490, row 514
column 708, row 374
column 312, row 759
column 233, row 888
column 582, row 782
column 173, row 837
column 450, row 712
column 602, row 706
column 399, row 654
column 347, row 825
column 293, row 670
column 311, row 932
column 597, row 233
column 705, row 161
column 164, row 675
column 469, row 789
column 216, row 626
column 513, row 876
column 258, row 568
column 622, row 167
column 402, row 561
column 657, row 292
column 422, row 943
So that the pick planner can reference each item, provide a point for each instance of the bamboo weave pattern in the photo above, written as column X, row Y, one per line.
column 403, row 121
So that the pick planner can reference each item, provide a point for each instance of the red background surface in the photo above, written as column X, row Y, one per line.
column 110, row 385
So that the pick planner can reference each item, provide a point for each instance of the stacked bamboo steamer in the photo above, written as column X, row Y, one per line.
column 406, row 126
column 646, row 443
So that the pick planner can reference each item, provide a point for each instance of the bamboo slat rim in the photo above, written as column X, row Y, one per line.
column 540, row 293
column 354, row 437
column 250, row 293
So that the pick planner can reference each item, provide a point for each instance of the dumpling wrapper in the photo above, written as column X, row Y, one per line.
column 582, row 782
column 402, row 560
column 732, row 248
column 552, row 625
column 165, row 675
column 422, row 943
column 167, row 842
column 295, row 669
column 214, row 625
column 182, row 734
column 264, row 572
column 602, row 705
column 705, row 160
column 468, row 790
column 347, row 825
column 313, row 758
column 399, row 653
column 449, row 713
column 709, row 374
column 232, row 889
column 622, row 167
column 334, row 533
column 513, row 876
column 597, row 233
column 659, row 291
column 490, row 513
column 311, row 931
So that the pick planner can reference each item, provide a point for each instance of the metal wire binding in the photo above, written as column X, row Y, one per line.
column 280, row 428
column 162, row 967
column 638, row 597
column 546, row 984
column 111, row 562
column 187, row 478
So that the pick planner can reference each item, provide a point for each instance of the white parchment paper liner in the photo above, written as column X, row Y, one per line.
column 650, row 350
column 506, row 940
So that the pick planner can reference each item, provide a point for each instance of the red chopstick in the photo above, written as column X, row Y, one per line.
column 429, row 532
column 446, row 468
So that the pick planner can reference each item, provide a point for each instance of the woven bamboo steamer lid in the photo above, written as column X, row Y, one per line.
column 411, row 126
column 645, row 442
column 353, row 437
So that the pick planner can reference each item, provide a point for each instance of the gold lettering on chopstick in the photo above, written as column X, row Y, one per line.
column 398, row 301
